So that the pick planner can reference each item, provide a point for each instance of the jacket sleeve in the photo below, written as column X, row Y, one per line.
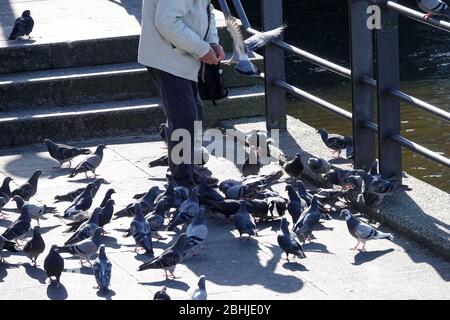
column 170, row 25
column 213, row 36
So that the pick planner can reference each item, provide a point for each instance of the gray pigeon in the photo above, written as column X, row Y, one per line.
column 103, row 219
column 35, row 246
column 7, row 245
column 169, row 258
column 23, row 26
column 187, row 210
column 288, row 241
column 36, row 212
column 72, row 195
column 309, row 218
column 434, row 8
column 81, row 204
column 86, row 248
column 362, row 232
column 29, row 188
column 5, row 190
column 161, row 294
column 64, row 153
column 197, row 232
column 337, row 143
column 294, row 167
column 107, row 196
column 296, row 204
column 141, row 231
column 54, row 265
column 87, row 229
column 198, row 292
column 244, row 221
column 90, row 163
column 156, row 219
column 20, row 227
column 102, row 270
column 319, row 165
column 147, row 202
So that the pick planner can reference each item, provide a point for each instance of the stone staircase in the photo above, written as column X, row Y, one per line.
column 94, row 88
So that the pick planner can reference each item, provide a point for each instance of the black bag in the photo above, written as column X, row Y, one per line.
column 210, row 80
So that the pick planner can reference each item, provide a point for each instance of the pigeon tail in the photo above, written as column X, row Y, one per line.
column 10, row 246
column 84, row 151
column 383, row 235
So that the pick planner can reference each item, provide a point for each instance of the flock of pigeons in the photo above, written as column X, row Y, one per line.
column 184, row 210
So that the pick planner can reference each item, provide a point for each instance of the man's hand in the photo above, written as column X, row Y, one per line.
column 218, row 50
column 210, row 57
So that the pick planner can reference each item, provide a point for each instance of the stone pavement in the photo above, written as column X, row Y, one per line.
column 235, row 269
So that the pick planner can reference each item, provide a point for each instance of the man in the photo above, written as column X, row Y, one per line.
column 175, row 39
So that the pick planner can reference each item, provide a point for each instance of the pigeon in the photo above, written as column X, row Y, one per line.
column 141, row 231
column 319, row 165
column 85, row 249
column 362, row 232
column 147, row 203
column 187, row 210
column 277, row 206
column 103, row 219
column 295, row 167
column 296, row 204
column 227, row 184
column 169, row 258
column 72, row 195
column 258, row 208
column 90, row 163
column 162, row 161
column 252, row 163
column 244, row 221
column 226, row 207
column 2, row 204
column 337, row 143
column 29, row 188
column 376, row 184
column 87, row 229
column 156, row 219
column 36, row 212
column 340, row 177
column 196, row 234
column 161, row 294
column 309, row 218
column 35, row 246
column 64, row 153
column 264, row 180
column 5, row 190
column 23, row 26
column 434, row 8
column 240, row 191
column 198, row 292
column 54, row 265
column 330, row 195
column 205, row 192
column 7, row 245
column 20, row 227
column 288, row 241
column 81, row 204
column 102, row 270
column 242, row 49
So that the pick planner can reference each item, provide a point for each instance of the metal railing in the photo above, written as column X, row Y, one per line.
column 366, row 44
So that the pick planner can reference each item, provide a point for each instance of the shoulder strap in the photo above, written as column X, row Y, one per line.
column 209, row 21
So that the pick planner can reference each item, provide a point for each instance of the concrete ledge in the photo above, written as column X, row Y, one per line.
column 422, row 213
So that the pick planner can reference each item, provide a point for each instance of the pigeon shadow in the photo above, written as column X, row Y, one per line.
column 83, row 180
column 81, row 270
column 173, row 284
column 35, row 272
column 111, row 242
column 294, row 265
column 55, row 293
column 57, row 172
column 368, row 256
column 316, row 247
column 5, row 223
column 142, row 257
column 48, row 229
column 107, row 295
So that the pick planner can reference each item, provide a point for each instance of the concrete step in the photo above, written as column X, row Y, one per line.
column 21, row 57
column 135, row 116
column 80, row 85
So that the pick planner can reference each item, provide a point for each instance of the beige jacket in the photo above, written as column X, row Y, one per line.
column 172, row 35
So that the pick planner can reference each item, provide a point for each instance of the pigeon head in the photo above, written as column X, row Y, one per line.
column 101, row 252
column 284, row 226
column 54, row 248
column 138, row 211
column 100, row 149
column 291, row 191
column 242, row 207
column 314, row 202
column 100, row 181
column 346, row 214
column 49, row 142
column 201, row 282
column 323, row 134
column 36, row 229
column 26, row 13
column 18, row 200
column 300, row 188
column 96, row 237
column 37, row 173
column 163, row 289
column 7, row 180
column 2, row 202
column 110, row 192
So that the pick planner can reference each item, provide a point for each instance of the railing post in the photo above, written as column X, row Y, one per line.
column 272, row 13
column 388, row 76
column 361, row 47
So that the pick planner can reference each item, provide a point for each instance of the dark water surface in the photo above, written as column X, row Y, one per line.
column 321, row 27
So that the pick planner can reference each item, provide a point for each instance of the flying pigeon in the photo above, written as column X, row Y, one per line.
column 36, row 212
column 242, row 49
column 35, row 246
column 72, row 195
column 141, row 231
column 87, row 229
column 23, row 26
column 54, row 265
column 29, row 188
column 63, row 153
column 20, row 227
column 81, row 204
column 90, row 163
column 288, row 241
column 102, row 270
column 295, row 167
column 434, row 8
column 161, row 294
column 296, row 204
column 244, row 221
column 198, row 292
column 147, row 203
column 337, row 143
column 196, row 234
column 187, row 210
column 363, row 232
column 319, row 165
column 7, row 245
column 252, row 163
column 86, row 248
column 5, row 190
column 309, row 218
column 169, row 258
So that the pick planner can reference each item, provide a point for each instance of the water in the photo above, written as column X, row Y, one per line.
column 321, row 27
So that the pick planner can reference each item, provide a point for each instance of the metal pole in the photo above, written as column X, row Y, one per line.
column 388, row 74
column 224, row 7
column 241, row 13
column 272, row 12
column 361, row 47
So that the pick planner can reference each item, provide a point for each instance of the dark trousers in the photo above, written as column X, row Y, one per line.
column 182, row 106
